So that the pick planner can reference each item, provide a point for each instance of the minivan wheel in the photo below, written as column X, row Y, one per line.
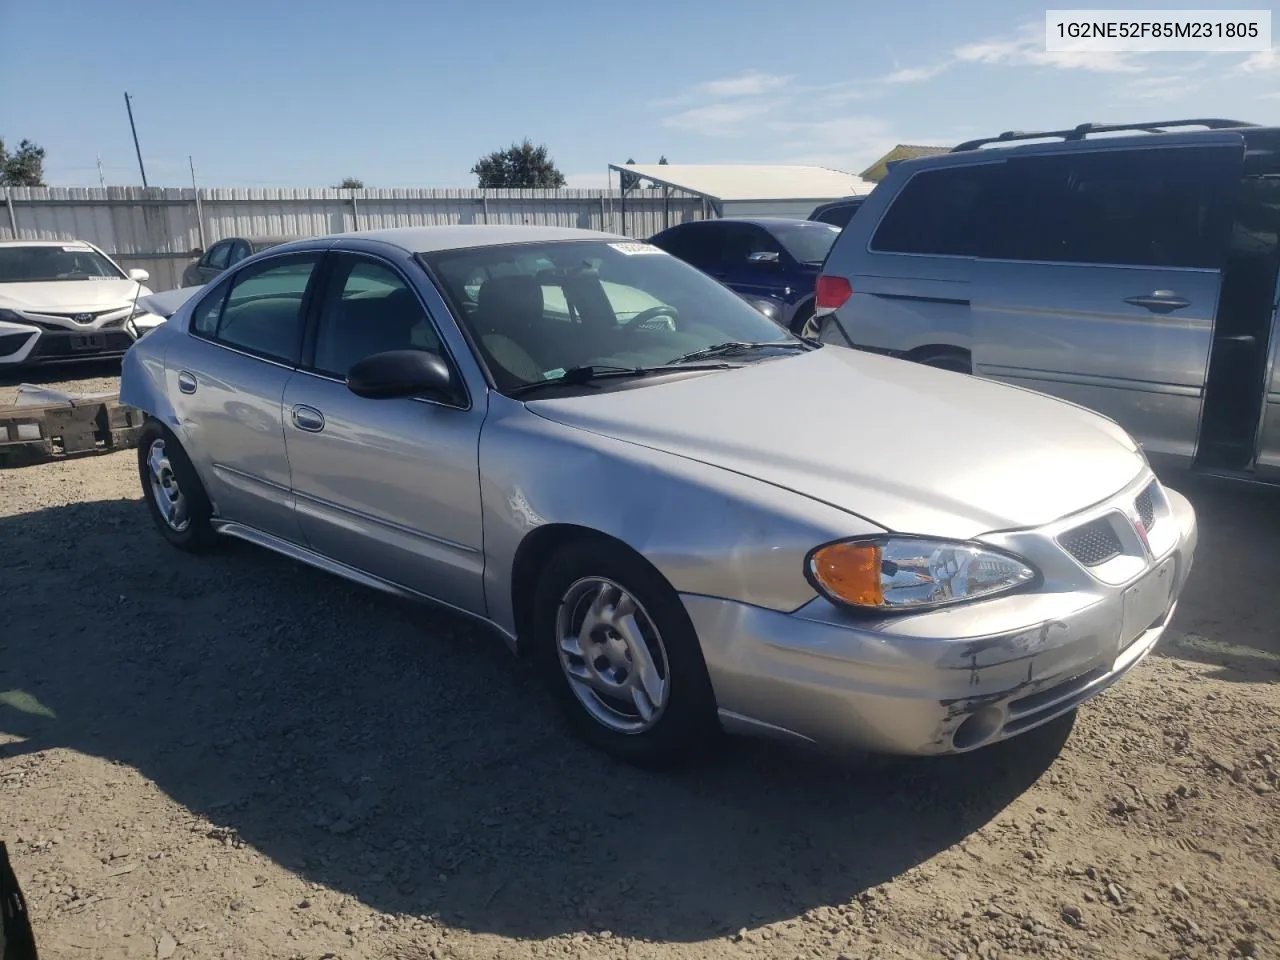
column 620, row 654
column 958, row 361
column 175, row 497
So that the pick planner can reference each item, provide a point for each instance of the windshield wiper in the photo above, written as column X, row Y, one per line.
column 590, row 373
column 731, row 347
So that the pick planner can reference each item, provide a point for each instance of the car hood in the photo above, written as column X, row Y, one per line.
column 908, row 447
column 167, row 302
column 68, row 296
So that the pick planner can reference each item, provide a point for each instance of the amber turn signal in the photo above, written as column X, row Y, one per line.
column 850, row 571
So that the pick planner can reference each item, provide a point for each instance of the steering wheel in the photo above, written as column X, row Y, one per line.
column 644, row 317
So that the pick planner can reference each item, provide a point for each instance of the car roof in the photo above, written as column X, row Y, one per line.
column 757, row 221
column 46, row 243
column 466, row 236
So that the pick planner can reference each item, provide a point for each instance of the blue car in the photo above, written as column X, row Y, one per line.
column 763, row 258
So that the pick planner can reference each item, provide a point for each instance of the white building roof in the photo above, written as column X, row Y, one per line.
column 744, row 181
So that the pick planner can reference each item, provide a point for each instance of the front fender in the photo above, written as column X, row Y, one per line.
column 707, row 530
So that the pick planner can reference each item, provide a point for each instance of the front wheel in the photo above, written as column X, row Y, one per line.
column 621, row 655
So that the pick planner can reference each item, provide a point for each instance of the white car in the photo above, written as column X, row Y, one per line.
column 67, row 300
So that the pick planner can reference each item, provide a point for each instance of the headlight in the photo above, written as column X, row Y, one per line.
column 893, row 574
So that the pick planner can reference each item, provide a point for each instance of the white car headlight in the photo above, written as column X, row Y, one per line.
column 901, row 574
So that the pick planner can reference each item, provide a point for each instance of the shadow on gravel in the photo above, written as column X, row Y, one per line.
column 399, row 755
column 1228, row 612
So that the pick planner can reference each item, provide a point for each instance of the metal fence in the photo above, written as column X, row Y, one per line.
column 158, row 229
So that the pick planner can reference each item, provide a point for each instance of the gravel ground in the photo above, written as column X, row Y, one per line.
column 236, row 756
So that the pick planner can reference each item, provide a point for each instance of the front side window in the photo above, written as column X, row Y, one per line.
column 1155, row 207
column 591, row 303
column 938, row 212
column 368, row 309
column 49, row 262
column 262, row 310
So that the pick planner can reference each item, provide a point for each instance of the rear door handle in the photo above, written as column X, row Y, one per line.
column 307, row 418
column 1159, row 301
column 186, row 382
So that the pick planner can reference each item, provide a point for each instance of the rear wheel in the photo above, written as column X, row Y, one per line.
column 621, row 655
column 802, row 316
column 175, row 497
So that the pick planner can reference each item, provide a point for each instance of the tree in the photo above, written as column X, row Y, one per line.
column 350, row 183
column 662, row 162
column 22, row 168
column 520, row 165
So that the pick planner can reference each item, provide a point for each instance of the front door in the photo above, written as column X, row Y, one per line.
column 390, row 487
column 228, row 381
column 1101, row 281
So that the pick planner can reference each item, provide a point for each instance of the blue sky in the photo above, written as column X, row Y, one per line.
column 411, row 93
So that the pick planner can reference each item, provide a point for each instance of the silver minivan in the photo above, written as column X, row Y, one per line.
column 1131, row 269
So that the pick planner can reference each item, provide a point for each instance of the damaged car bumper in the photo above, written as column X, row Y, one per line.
column 957, row 679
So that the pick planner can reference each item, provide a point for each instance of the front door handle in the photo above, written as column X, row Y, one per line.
column 307, row 418
column 1159, row 301
column 186, row 382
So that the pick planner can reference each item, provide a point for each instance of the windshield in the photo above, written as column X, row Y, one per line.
column 537, row 310
column 807, row 242
column 45, row 263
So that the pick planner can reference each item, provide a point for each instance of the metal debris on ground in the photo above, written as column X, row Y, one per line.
column 46, row 424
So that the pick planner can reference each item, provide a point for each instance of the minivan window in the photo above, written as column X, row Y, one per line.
column 1165, row 207
column 938, row 212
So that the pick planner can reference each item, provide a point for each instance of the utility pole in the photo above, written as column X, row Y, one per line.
column 143, row 170
column 199, row 211
column 102, row 180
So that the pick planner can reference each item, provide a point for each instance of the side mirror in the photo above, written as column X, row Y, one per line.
column 764, row 258
column 401, row 373
column 139, row 276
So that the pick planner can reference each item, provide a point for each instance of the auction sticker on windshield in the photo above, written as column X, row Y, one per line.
column 630, row 249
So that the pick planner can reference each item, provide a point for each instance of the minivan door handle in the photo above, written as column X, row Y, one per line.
column 307, row 418
column 1159, row 301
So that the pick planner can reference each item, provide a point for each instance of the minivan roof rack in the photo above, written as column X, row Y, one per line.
column 1080, row 132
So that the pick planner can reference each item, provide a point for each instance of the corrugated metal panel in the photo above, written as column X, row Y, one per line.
column 157, row 228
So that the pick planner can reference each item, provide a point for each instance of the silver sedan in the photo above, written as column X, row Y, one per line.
column 691, row 519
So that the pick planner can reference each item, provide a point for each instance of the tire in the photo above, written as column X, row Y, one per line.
column 956, row 361
column 185, row 521
column 582, row 579
column 801, row 317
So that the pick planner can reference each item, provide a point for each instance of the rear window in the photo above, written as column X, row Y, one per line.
column 807, row 242
column 938, row 212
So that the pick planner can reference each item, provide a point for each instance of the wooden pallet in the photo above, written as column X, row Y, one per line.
column 38, row 433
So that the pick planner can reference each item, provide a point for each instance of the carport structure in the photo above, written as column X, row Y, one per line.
column 742, row 189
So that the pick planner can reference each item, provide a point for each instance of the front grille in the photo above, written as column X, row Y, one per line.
column 1146, row 507
column 91, row 314
column 62, row 328
column 1094, row 543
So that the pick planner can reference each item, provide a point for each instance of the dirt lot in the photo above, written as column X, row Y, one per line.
column 237, row 756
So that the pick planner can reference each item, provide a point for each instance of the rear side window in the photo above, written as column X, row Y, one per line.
column 261, row 311
column 938, row 212
column 1155, row 208
column 838, row 216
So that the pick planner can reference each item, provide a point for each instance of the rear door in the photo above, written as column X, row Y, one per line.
column 1101, row 277
column 744, row 266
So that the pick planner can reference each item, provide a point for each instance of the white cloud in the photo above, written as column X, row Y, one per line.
column 751, row 83
column 1026, row 48
column 917, row 74
column 1264, row 61
column 728, row 119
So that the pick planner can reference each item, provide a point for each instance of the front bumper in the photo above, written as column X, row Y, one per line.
column 946, row 681
column 23, row 344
